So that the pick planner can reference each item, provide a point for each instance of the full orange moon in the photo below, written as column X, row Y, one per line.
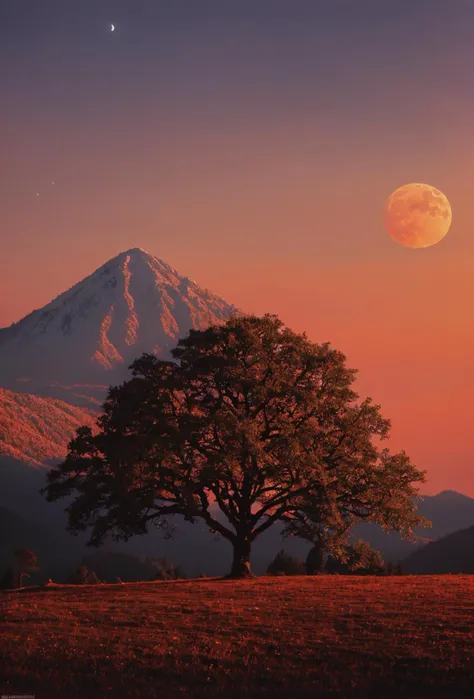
column 417, row 215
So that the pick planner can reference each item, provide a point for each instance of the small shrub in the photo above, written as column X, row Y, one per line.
column 284, row 564
column 359, row 558
column 164, row 569
column 82, row 576
column 393, row 568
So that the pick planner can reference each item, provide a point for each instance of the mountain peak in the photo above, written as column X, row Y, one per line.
column 133, row 252
column 136, row 250
column 91, row 333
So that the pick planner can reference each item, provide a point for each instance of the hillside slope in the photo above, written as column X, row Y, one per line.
column 37, row 430
column 451, row 554
column 278, row 638
column 58, row 553
column 448, row 512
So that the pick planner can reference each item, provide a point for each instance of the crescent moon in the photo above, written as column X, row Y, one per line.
column 112, row 27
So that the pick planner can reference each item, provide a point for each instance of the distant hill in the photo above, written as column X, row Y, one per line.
column 450, row 554
column 57, row 552
column 34, row 434
column 448, row 511
column 37, row 430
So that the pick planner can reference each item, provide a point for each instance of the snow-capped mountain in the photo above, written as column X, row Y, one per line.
column 91, row 333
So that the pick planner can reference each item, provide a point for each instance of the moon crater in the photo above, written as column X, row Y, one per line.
column 417, row 215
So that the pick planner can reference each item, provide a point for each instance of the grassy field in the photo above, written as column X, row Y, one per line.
column 267, row 637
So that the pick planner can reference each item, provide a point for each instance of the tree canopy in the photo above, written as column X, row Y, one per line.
column 250, row 423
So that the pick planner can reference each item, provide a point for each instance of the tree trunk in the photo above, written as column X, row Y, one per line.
column 241, row 560
column 315, row 559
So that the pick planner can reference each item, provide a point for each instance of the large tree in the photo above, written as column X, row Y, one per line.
column 249, row 419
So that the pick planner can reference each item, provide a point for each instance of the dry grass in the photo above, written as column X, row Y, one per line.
column 283, row 637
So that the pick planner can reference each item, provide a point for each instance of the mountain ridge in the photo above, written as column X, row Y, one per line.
column 37, row 430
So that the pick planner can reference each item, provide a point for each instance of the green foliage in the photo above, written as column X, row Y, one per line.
column 359, row 558
column 252, row 417
column 284, row 564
